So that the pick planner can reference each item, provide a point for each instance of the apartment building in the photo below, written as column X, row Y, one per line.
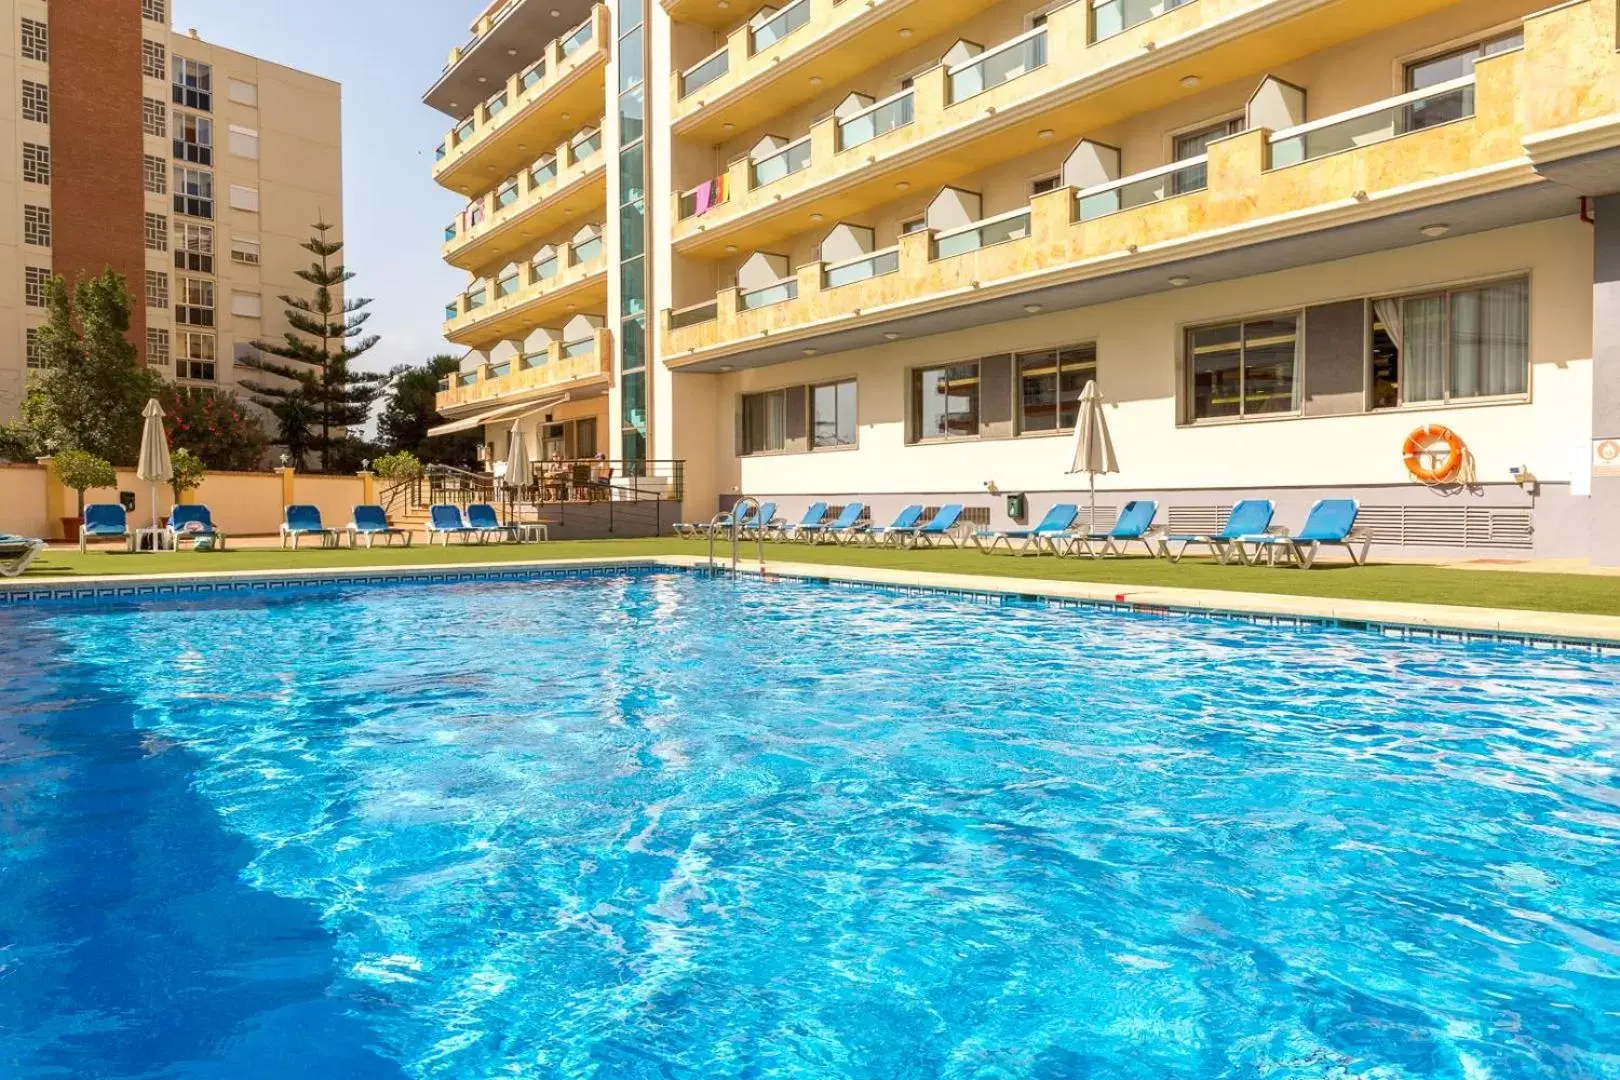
column 876, row 250
column 193, row 170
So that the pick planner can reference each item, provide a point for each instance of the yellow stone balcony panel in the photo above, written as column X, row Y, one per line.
column 538, row 201
column 538, row 108
column 507, row 308
column 1052, row 80
column 762, row 71
column 1451, row 143
column 581, row 368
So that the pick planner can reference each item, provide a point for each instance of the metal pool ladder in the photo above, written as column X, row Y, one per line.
column 730, row 520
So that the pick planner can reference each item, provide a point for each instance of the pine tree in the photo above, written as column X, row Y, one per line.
column 322, row 397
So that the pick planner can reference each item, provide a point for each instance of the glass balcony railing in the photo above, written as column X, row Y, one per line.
column 697, row 313
column 705, row 71
column 590, row 249
column 779, row 26
column 782, row 291
column 1002, row 64
column 466, row 378
column 1155, row 185
column 545, row 268
column 586, row 147
column 476, row 299
column 444, row 384
column 508, row 285
column 544, row 172
column 1374, row 123
column 982, row 234
column 533, row 75
column 869, row 266
column 582, row 347
column 785, row 162
column 571, row 44
column 439, row 152
column 501, row 370
column 449, row 232
column 451, row 312
column 465, row 130
column 1110, row 17
column 884, row 116
column 507, row 195
column 496, row 105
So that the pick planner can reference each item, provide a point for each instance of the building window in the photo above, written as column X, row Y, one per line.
column 193, row 84
column 247, row 305
column 1243, row 369
column 36, row 102
column 36, row 164
column 914, row 225
column 764, row 422
column 196, row 359
column 37, row 226
column 35, row 353
column 157, row 232
column 1050, row 383
column 945, row 401
column 832, row 415
column 155, row 10
column 154, row 118
column 157, row 289
column 155, row 175
column 244, row 142
column 35, row 280
column 193, row 138
column 193, row 247
column 244, row 198
column 245, row 252
column 36, row 41
column 154, row 60
column 244, row 93
column 1449, row 346
column 1458, row 63
column 194, row 302
column 1192, row 144
column 1045, row 184
column 157, row 346
column 193, row 192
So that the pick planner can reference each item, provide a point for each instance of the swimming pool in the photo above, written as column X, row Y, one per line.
column 660, row 825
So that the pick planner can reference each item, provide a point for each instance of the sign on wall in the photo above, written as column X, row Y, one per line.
column 1606, row 457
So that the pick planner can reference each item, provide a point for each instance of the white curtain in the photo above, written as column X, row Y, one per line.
column 1422, row 342
column 1490, row 349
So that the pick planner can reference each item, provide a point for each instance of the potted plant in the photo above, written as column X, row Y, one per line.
column 82, row 471
column 400, row 466
column 189, row 473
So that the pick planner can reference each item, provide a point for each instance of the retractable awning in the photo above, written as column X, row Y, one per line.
column 509, row 412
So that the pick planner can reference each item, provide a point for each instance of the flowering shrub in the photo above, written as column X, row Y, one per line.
column 214, row 426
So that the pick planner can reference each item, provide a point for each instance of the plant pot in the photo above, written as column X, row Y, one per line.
column 70, row 529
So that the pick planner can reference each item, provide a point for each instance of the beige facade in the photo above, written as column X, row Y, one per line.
column 239, row 157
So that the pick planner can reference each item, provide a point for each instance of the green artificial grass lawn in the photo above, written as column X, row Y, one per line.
column 1576, row 593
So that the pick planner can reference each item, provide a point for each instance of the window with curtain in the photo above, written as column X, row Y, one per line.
column 945, row 402
column 1244, row 369
column 764, row 422
column 1449, row 346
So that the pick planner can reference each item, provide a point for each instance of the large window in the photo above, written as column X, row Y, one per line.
column 832, row 415
column 1241, row 369
column 1457, row 344
column 196, row 358
column 1049, row 386
column 194, row 247
column 1458, row 63
column 193, row 138
column 193, row 84
column 764, row 422
column 193, row 192
column 945, row 401
column 194, row 302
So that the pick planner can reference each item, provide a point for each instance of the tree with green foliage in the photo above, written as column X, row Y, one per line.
column 89, row 393
column 412, row 409
column 189, row 472
column 321, row 396
column 400, row 465
column 82, row 471
column 214, row 425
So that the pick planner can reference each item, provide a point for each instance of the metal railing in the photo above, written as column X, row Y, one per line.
column 874, row 265
column 1379, row 122
column 784, row 162
column 705, row 71
column 1154, row 185
column 1112, row 17
column 983, row 234
column 778, row 26
column 875, row 119
column 731, row 521
column 1007, row 61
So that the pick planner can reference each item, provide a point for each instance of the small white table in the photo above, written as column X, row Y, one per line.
column 150, row 539
column 532, row 532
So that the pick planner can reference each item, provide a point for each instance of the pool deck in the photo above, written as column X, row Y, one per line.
column 1604, row 629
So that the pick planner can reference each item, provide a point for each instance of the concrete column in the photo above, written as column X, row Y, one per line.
column 288, row 485
column 1605, row 527
column 55, row 498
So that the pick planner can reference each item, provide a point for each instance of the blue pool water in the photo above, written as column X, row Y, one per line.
column 665, row 826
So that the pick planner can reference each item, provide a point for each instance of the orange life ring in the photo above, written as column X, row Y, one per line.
column 1417, row 447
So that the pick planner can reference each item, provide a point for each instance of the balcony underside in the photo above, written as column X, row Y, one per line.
column 1524, row 198
column 537, row 125
column 587, row 296
column 589, row 386
column 715, row 14
column 581, row 200
column 525, row 29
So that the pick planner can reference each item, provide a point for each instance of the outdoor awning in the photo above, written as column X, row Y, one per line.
column 509, row 412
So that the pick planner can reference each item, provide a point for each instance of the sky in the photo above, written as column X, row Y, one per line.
column 386, row 53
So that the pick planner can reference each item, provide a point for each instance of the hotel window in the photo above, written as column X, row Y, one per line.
column 35, row 279
column 157, row 346
column 244, row 198
column 764, row 422
column 155, row 10
column 36, row 164
column 154, row 60
column 157, row 232
column 1045, row 184
column 945, row 402
column 193, row 192
column 1191, row 144
column 247, row 305
column 36, row 41
column 1450, row 346
column 1049, row 386
column 1244, row 369
column 914, row 225
column 193, row 84
column 157, row 289
column 37, row 226
column 832, row 415
column 1458, row 63
column 155, row 174
column 194, row 302
column 34, row 351
column 196, row 358
column 154, row 118
column 244, row 252
column 36, row 102
column 244, row 93
column 244, row 142
column 193, row 247
column 193, row 138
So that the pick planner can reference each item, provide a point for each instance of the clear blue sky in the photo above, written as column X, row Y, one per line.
column 385, row 53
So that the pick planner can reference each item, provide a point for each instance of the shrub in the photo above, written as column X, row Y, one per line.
column 82, row 471
column 215, row 426
column 400, row 466
column 189, row 472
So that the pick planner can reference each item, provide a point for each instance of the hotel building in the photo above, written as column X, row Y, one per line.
column 192, row 170
column 843, row 250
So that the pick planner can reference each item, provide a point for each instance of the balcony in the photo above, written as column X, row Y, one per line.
column 567, row 186
column 505, row 36
column 765, row 70
column 1054, row 80
column 1361, row 180
column 571, row 281
column 538, row 107
column 581, row 368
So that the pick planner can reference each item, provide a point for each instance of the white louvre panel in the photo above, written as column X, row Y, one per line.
column 1106, row 517
column 1449, row 526
column 1198, row 519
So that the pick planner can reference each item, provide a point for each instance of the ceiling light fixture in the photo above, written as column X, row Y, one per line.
column 890, row 335
column 815, row 217
column 1033, row 309
column 815, row 80
column 903, row 185
column 730, row 248
column 1190, row 82
column 811, row 352
column 1435, row 231
column 905, row 31
column 1047, row 133
column 1179, row 280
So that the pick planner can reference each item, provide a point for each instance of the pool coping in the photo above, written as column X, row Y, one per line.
column 1389, row 617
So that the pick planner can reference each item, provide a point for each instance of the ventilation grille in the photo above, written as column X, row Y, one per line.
column 1107, row 517
column 1449, row 526
column 836, row 511
column 1198, row 520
